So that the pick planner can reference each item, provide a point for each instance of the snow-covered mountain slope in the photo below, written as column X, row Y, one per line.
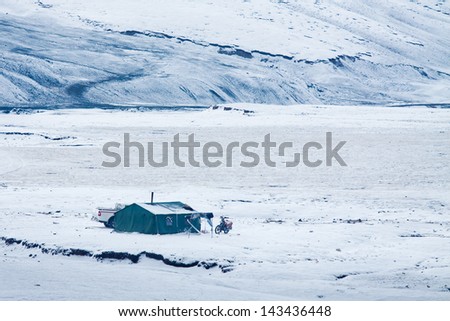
column 202, row 52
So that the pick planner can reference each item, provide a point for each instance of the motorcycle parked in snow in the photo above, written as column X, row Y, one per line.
column 224, row 226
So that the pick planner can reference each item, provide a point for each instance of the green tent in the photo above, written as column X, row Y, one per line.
column 156, row 218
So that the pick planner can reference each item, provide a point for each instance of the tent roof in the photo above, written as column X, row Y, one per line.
column 164, row 208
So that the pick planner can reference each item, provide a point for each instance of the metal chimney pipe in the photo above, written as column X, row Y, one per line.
column 152, row 198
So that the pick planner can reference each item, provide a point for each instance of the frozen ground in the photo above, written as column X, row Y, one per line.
column 110, row 52
column 377, row 229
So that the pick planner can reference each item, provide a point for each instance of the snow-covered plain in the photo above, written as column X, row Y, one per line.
column 60, row 52
column 377, row 229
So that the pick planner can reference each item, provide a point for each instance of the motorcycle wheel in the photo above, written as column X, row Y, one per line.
column 226, row 230
column 218, row 229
